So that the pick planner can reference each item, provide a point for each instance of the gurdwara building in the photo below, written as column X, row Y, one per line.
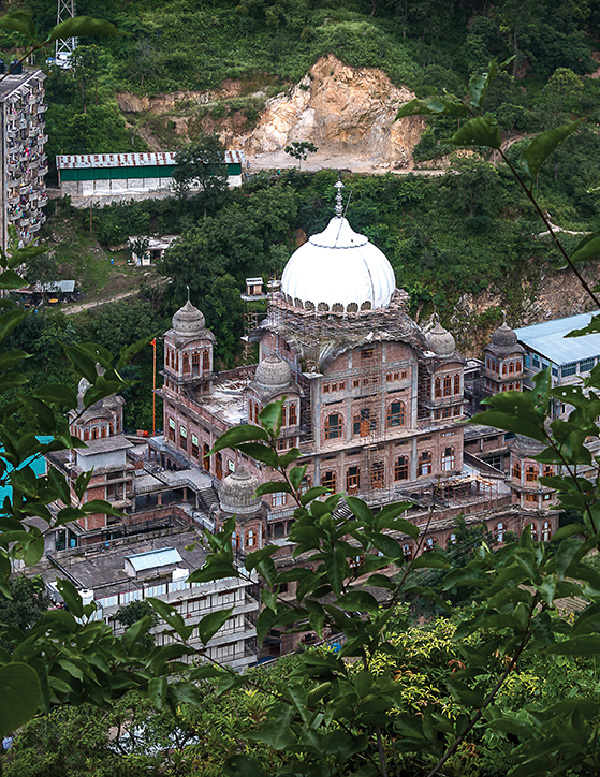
column 374, row 403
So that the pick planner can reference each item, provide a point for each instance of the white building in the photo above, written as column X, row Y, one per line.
column 23, row 160
column 103, row 179
column 115, row 574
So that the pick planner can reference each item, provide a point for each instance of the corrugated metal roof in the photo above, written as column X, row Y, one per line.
column 548, row 339
column 82, row 161
column 163, row 557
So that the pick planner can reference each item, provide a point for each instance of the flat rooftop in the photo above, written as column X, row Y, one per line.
column 137, row 159
column 550, row 339
column 228, row 400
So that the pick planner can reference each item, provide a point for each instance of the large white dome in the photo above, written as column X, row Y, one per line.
column 338, row 270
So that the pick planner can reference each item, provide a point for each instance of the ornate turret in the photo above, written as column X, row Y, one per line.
column 237, row 495
column 440, row 341
column 503, row 361
column 273, row 374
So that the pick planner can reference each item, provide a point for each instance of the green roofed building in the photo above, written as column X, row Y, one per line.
column 102, row 179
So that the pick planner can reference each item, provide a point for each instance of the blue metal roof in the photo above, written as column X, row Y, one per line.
column 163, row 557
column 549, row 339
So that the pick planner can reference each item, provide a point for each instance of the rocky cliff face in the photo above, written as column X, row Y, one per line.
column 348, row 113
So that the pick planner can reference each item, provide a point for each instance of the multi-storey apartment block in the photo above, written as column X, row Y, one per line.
column 23, row 160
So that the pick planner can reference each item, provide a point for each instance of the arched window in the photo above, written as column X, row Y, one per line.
column 504, row 370
column 531, row 474
column 548, row 470
column 292, row 417
column 284, row 415
column 429, row 543
column 401, row 468
column 205, row 456
column 186, row 363
column 94, row 433
column 353, row 480
column 534, row 531
column 364, row 423
column 251, row 537
column 305, row 485
column 452, row 540
column 377, row 475
column 457, row 384
column 329, row 480
column 448, row 459
column 425, row 463
column 499, row 531
column 407, row 549
column 396, row 414
column 111, row 429
column 205, row 361
column 447, row 386
column 516, row 470
column 333, row 426
column 86, row 435
column 167, row 357
column 103, row 431
column 546, row 531
column 438, row 388
column 219, row 466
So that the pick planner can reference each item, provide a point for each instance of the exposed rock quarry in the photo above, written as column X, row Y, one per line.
column 348, row 113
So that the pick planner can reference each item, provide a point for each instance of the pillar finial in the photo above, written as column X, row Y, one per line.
column 188, row 290
column 339, row 208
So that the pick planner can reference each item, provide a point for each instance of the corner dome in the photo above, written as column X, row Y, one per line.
column 440, row 341
column 273, row 374
column 504, row 336
column 237, row 493
column 188, row 321
column 338, row 270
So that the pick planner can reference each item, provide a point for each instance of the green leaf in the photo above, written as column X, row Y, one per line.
column 19, row 22
column 480, row 131
column 436, row 106
column 587, row 248
column 100, row 506
column 313, row 493
column 253, row 559
column 270, row 417
column 57, row 393
column 127, row 353
column 20, row 696
column 277, row 487
column 296, row 476
column 83, row 363
column 259, row 452
column 588, row 645
column 211, row 623
column 71, row 597
column 479, row 84
column 542, row 146
column 244, row 433
column 360, row 510
column 430, row 560
column 10, row 358
column 10, row 320
column 157, row 691
column 9, row 279
column 358, row 601
column 79, row 26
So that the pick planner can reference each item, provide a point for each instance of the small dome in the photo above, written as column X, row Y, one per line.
column 338, row 270
column 188, row 321
column 504, row 337
column 237, row 493
column 273, row 374
column 440, row 341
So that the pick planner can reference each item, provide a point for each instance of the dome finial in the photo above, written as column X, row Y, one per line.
column 339, row 208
